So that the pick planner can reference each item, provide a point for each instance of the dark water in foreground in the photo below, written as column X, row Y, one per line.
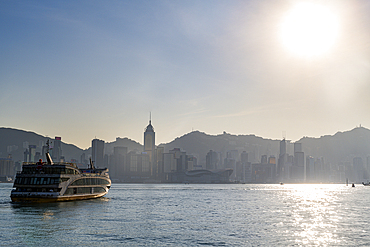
column 195, row 215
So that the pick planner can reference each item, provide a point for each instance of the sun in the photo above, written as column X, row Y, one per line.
column 309, row 30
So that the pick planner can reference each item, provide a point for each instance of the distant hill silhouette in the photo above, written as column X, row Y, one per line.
column 123, row 142
column 15, row 137
column 10, row 137
column 342, row 146
column 199, row 144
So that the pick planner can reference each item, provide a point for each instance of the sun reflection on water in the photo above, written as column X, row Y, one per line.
column 314, row 213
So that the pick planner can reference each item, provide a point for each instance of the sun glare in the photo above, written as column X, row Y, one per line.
column 309, row 30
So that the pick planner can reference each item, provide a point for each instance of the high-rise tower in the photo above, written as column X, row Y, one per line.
column 282, row 159
column 97, row 152
column 149, row 146
column 57, row 149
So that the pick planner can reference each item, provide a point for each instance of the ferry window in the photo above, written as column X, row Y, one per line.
column 69, row 191
column 103, row 181
column 83, row 190
column 99, row 190
column 77, row 182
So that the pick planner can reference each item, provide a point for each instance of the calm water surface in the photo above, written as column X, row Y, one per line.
column 195, row 215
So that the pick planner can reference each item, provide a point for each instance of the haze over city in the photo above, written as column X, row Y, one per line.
column 90, row 69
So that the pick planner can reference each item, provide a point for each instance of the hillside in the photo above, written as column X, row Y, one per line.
column 16, row 138
column 123, row 142
column 342, row 146
column 199, row 144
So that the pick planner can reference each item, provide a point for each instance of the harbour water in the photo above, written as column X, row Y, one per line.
column 195, row 215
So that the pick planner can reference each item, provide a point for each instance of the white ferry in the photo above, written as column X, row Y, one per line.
column 55, row 182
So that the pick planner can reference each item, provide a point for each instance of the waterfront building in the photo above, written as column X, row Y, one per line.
column 149, row 147
column 264, row 159
column 181, row 159
column 192, row 162
column 169, row 163
column 211, row 160
column 57, row 149
column 97, row 153
column 282, row 160
column 7, row 168
column 358, row 168
column 25, row 155
column 272, row 160
column 118, row 162
column 138, row 167
column 263, row 173
column 246, row 175
column 160, row 162
column 310, row 169
column 298, row 172
column 31, row 153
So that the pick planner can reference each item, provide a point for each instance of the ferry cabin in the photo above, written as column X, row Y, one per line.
column 59, row 182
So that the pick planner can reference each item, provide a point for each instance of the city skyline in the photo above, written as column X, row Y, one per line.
column 85, row 70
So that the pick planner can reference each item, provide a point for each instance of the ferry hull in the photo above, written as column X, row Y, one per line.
column 40, row 199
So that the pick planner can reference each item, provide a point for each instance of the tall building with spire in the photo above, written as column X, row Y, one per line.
column 149, row 146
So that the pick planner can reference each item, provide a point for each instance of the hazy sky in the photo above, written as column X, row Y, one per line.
column 86, row 69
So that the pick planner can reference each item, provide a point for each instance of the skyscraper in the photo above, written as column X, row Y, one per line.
column 298, row 168
column 211, row 160
column 149, row 146
column 118, row 166
column 32, row 153
column 57, row 148
column 97, row 152
column 282, row 159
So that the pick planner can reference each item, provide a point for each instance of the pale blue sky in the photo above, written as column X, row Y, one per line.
column 86, row 69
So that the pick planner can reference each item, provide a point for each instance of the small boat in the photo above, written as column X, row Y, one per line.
column 62, row 181
column 366, row 184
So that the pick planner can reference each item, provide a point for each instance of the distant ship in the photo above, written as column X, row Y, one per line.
column 56, row 182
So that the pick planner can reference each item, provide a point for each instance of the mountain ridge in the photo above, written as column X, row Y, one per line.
column 342, row 146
